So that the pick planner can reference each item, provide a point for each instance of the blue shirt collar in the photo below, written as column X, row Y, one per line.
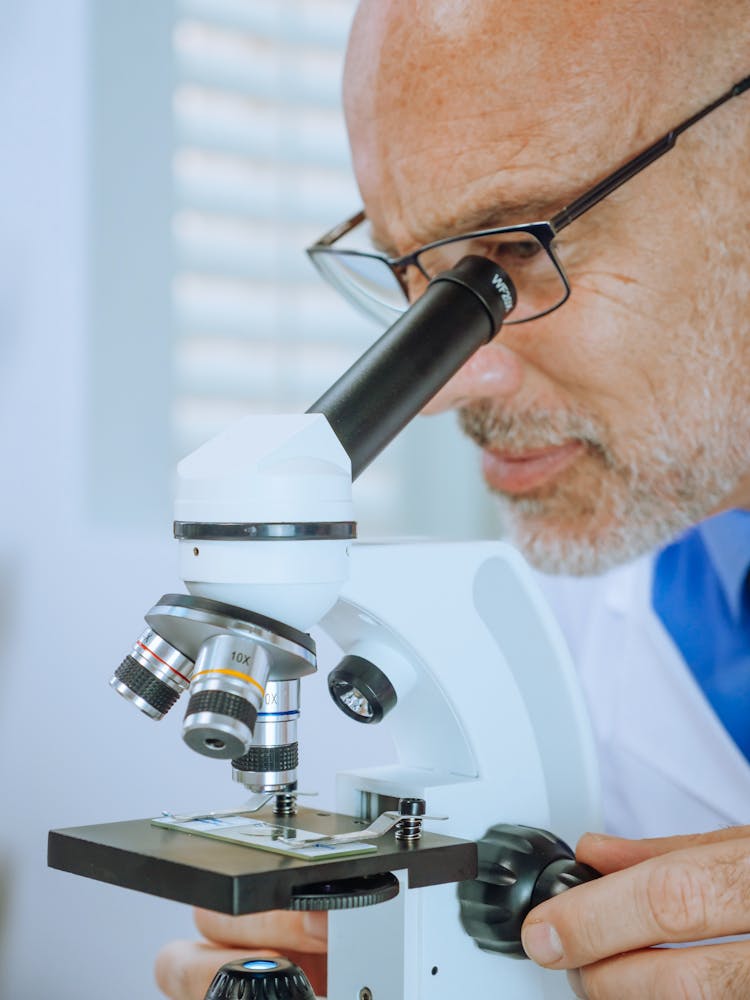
column 727, row 540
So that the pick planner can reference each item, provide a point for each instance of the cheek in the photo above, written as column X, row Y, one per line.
column 632, row 298
column 597, row 355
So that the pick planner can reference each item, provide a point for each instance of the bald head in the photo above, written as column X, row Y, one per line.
column 519, row 84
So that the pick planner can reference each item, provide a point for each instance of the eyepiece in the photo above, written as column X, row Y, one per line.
column 460, row 310
column 225, row 694
column 153, row 675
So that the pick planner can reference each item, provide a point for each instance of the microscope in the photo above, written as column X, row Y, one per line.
column 429, row 865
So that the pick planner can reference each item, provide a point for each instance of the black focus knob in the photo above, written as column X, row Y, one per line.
column 260, row 979
column 345, row 893
column 519, row 867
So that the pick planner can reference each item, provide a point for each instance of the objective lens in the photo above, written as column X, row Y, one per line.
column 225, row 694
column 153, row 675
column 270, row 765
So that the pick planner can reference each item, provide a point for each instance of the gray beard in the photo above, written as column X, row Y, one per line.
column 630, row 507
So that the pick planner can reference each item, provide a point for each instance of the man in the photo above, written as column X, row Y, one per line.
column 608, row 425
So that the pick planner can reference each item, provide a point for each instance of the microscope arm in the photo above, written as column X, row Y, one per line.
column 489, row 728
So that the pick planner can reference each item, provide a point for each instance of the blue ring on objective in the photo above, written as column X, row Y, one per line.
column 260, row 965
column 277, row 715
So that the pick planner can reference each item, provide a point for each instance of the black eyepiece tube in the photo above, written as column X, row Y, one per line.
column 461, row 310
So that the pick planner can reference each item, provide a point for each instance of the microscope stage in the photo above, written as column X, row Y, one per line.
column 233, row 878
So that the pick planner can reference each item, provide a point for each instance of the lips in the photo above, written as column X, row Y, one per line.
column 530, row 470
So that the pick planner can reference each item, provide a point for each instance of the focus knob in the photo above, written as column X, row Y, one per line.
column 260, row 979
column 345, row 894
column 519, row 867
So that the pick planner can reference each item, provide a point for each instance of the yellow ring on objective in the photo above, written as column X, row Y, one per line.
column 232, row 673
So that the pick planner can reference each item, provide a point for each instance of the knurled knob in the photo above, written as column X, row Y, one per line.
column 260, row 979
column 519, row 867
column 265, row 759
column 345, row 894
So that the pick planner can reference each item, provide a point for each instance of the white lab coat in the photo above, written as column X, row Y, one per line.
column 667, row 764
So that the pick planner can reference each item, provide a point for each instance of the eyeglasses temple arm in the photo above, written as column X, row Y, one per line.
column 605, row 187
column 338, row 231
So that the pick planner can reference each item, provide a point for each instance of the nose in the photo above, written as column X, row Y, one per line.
column 494, row 372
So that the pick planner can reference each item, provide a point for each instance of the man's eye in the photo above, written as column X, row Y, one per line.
column 518, row 250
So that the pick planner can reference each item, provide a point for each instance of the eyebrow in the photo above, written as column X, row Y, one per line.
column 502, row 212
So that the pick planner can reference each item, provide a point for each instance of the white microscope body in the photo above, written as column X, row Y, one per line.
column 450, row 644
column 489, row 724
column 489, row 728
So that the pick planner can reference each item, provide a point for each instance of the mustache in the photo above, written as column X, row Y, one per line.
column 489, row 426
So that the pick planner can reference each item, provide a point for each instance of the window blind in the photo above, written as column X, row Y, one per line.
column 260, row 169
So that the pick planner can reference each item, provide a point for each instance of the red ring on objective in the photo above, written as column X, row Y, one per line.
column 167, row 665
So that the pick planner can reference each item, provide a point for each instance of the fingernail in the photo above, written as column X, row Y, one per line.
column 576, row 983
column 542, row 943
column 315, row 925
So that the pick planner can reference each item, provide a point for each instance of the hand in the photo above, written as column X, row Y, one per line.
column 184, row 969
column 674, row 889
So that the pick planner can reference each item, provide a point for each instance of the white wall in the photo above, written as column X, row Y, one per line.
column 71, row 596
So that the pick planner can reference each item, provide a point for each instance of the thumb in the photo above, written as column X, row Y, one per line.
column 611, row 854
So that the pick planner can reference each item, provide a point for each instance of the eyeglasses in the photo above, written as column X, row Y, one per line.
column 378, row 286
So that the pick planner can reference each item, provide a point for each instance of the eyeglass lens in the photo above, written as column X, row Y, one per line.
column 370, row 284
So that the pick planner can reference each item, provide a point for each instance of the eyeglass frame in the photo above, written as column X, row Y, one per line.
column 543, row 232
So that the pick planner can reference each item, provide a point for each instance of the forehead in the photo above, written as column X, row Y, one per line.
column 460, row 111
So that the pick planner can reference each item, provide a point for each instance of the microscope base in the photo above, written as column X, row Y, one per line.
column 238, row 879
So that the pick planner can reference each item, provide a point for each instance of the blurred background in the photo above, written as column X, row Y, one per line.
column 163, row 163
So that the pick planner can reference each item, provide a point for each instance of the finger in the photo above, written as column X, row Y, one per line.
column 609, row 854
column 184, row 969
column 713, row 972
column 687, row 895
column 301, row 932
